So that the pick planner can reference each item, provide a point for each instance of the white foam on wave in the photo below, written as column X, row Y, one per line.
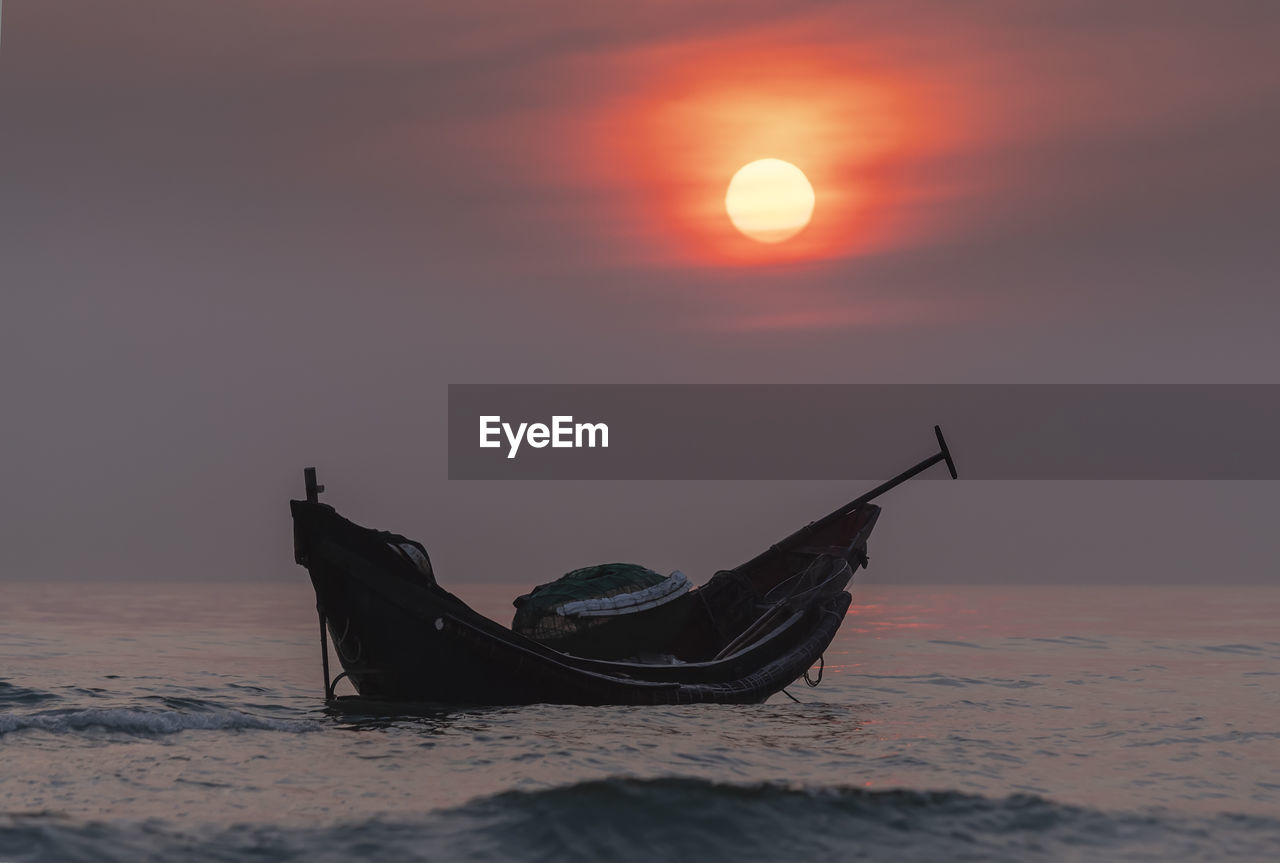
column 145, row 722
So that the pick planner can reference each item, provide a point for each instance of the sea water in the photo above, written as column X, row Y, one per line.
column 160, row 722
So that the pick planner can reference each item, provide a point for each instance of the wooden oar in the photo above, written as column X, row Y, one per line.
column 943, row 455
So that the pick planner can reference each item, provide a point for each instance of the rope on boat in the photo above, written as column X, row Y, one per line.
column 821, row 666
column 758, row 628
column 809, row 680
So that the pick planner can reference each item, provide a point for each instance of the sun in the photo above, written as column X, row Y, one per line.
column 769, row 200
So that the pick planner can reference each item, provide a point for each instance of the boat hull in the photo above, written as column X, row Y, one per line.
column 402, row 639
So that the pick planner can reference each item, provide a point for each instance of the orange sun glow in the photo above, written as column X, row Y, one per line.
column 839, row 125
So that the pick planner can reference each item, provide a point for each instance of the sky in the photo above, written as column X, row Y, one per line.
column 239, row 238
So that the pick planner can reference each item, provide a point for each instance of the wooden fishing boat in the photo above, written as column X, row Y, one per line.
column 747, row 633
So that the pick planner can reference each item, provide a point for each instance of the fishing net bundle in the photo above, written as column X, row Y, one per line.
column 592, row 595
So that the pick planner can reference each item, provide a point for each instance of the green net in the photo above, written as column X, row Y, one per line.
column 536, row 612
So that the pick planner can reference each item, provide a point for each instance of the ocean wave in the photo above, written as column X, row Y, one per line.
column 145, row 722
column 644, row 820
column 12, row 694
column 1244, row 649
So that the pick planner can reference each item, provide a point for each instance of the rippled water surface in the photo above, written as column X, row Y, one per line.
column 160, row 722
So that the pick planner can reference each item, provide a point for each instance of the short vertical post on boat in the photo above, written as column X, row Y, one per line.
column 313, row 490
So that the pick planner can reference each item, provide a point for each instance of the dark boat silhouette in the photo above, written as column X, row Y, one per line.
column 747, row 633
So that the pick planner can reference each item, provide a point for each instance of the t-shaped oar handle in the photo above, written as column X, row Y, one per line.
column 946, row 453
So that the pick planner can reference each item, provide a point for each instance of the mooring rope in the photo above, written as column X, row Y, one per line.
column 821, row 665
